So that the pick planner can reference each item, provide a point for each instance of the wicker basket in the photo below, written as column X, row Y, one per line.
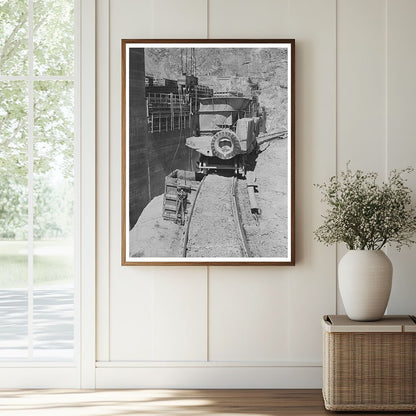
column 369, row 366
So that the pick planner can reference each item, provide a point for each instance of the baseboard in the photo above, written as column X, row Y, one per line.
column 39, row 378
column 209, row 377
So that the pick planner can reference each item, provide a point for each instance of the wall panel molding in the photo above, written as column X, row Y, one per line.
column 361, row 90
column 103, row 180
column 210, row 377
column 401, row 134
column 203, row 364
column 355, row 87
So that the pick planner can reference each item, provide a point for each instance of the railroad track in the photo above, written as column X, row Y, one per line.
column 267, row 137
column 238, row 219
column 214, row 225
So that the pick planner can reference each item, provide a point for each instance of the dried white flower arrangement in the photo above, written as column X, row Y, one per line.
column 366, row 215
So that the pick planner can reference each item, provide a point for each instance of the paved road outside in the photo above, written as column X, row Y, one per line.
column 53, row 323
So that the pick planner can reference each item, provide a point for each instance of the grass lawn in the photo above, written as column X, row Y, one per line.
column 52, row 263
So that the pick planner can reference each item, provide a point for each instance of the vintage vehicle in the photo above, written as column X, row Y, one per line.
column 229, row 124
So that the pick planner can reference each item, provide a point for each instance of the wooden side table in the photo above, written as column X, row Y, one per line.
column 369, row 366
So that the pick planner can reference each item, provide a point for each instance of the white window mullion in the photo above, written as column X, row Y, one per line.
column 77, row 187
column 30, row 180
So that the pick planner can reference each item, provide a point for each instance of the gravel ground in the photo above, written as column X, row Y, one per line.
column 213, row 231
column 152, row 236
column 269, row 236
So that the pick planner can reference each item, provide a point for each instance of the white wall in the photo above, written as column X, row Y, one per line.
column 254, row 326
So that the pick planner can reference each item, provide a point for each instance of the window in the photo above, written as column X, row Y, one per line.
column 38, row 185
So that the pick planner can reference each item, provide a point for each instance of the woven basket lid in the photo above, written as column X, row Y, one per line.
column 390, row 323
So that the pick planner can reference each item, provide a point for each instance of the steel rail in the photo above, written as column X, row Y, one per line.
column 271, row 136
column 238, row 220
column 236, row 212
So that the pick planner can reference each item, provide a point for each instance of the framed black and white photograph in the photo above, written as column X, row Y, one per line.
column 208, row 152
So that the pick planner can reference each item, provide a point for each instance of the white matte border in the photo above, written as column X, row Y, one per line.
column 190, row 260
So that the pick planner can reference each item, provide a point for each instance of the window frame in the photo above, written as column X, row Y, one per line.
column 81, row 371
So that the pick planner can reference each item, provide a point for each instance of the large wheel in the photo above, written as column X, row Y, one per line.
column 225, row 145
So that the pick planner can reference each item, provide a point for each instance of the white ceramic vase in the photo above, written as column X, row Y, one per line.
column 364, row 278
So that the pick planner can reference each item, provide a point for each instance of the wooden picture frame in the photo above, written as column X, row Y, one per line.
column 208, row 152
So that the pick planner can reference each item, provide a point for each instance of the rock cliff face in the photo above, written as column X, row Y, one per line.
column 258, row 70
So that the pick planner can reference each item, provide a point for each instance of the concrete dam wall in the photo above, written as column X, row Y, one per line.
column 152, row 155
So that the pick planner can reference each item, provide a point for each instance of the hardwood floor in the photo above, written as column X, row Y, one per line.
column 164, row 402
